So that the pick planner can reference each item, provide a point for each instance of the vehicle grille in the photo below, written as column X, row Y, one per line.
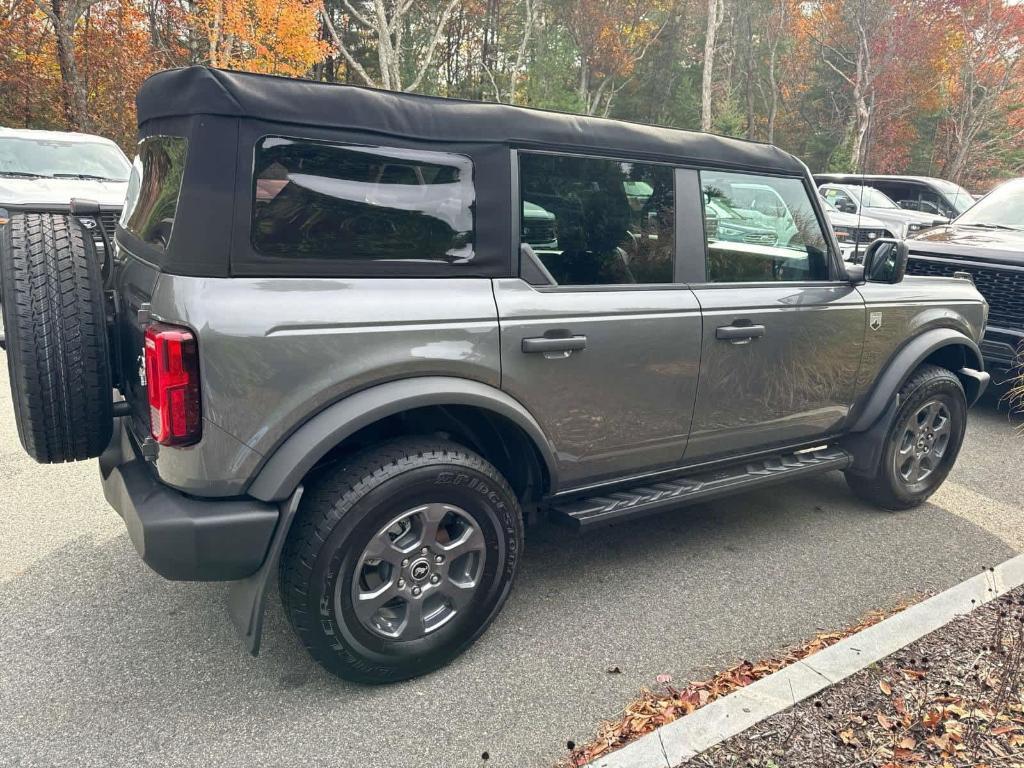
column 869, row 235
column 1003, row 289
column 539, row 232
column 760, row 238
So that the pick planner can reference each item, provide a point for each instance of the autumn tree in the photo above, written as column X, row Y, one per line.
column 405, row 35
column 983, row 111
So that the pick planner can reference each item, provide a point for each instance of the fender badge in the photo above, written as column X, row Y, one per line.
column 875, row 321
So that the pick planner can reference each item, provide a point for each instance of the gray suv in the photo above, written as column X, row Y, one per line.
column 336, row 360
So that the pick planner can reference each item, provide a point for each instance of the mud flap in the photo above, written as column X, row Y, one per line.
column 248, row 597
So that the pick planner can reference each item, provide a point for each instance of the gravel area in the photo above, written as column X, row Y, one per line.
column 953, row 699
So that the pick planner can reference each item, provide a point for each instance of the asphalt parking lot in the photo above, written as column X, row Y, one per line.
column 104, row 663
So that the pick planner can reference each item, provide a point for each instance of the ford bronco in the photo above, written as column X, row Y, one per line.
column 324, row 350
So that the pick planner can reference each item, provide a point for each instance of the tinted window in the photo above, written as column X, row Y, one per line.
column 592, row 221
column 153, row 189
column 329, row 201
column 761, row 229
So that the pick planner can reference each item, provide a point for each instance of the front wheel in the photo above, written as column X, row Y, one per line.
column 400, row 558
column 922, row 444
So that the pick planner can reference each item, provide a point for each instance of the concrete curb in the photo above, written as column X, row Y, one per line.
column 687, row 737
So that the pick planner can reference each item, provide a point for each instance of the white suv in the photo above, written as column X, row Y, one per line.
column 42, row 171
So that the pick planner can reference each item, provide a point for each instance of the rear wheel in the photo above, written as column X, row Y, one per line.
column 922, row 444
column 57, row 348
column 400, row 558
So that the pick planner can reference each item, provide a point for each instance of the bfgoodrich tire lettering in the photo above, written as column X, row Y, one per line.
column 57, row 347
column 345, row 510
column 923, row 443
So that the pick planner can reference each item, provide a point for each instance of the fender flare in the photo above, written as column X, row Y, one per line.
column 285, row 468
column 866, row 437
column 902, row 364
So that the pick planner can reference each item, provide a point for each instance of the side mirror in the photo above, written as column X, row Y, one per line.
column 885, row 261
column 845, row 207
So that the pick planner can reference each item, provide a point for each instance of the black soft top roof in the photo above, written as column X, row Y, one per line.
column 208, row 91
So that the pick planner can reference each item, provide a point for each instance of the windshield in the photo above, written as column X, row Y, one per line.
column 872, row 198
column 1003, row 208
column 957, row 196
column 48, row 158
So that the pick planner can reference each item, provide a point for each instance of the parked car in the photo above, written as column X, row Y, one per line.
column 902, row 223
column 361, row 387
column 540, row 228
column 988, row 243
column 854, row 232
column 724, row 222
column 41, row 171
column 925, row 194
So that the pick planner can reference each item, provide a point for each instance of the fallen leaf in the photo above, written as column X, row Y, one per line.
column 884, row 721
column 847, row 737
column 885, row 688
column 663, row 679
column 908, row 742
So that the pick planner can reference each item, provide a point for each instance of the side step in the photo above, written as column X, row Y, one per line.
column 655, row 497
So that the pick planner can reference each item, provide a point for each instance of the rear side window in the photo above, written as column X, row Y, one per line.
column 153, row 189
column 314, row 200
column 594, row 221
column 761, row 229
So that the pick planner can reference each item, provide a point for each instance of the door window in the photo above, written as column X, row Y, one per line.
column 593, row 221
column 761, row 229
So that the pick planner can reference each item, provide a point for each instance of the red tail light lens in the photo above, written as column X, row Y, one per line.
column 172, row 381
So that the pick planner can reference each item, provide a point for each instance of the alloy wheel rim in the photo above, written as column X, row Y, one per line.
column 923, row 443
column 418, row 572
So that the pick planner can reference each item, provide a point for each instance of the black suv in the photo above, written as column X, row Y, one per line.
column 988, row 242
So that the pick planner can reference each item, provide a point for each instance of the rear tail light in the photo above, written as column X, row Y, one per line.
column 172, row 381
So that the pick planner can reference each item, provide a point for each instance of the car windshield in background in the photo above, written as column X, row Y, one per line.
column 50, row 159
column 957, row 196
column 1002, row 209
column 872, row 198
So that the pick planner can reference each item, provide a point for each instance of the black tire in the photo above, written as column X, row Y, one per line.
column 895, row 484
column 348, row 508
column 57, row 345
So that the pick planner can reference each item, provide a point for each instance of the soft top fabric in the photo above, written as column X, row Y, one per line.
column 208, row 91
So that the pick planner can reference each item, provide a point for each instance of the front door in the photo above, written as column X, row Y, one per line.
column 782, row 336
column 598, row 341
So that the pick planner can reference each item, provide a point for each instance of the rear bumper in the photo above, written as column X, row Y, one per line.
column 181, row 537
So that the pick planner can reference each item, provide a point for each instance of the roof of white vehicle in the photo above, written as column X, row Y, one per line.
column 32, row 133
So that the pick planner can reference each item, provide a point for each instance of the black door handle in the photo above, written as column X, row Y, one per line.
column 554, row 344
column 739, row 332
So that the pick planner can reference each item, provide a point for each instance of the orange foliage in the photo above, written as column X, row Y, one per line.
column 119, row 43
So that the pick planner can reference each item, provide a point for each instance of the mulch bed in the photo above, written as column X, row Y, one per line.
column 952, row 699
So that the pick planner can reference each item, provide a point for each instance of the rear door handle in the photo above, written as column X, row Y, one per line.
column 554, row 344
column 739, row 332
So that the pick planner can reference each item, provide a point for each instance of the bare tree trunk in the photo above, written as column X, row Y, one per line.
column 714, row 21
column 73, row 96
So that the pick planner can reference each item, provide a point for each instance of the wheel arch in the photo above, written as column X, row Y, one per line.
column 945, row 347
column 480, row 416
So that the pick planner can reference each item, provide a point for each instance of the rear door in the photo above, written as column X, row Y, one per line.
column 782, row 333
column 599, row 339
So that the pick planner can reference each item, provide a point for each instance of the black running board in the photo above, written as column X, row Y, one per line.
column 655, row 497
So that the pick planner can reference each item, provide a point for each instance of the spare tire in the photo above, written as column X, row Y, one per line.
column 58, row 352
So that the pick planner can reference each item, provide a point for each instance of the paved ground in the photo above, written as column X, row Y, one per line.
column 104, row 663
